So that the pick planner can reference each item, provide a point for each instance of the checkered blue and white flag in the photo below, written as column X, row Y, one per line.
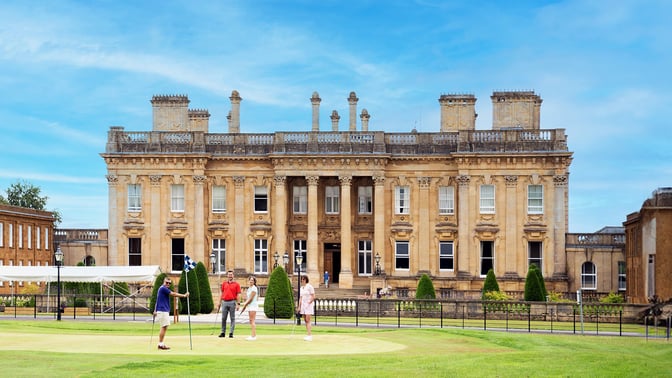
column 189, row 264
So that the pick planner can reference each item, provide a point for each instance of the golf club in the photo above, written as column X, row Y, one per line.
column 216, row 317
column 151, row 335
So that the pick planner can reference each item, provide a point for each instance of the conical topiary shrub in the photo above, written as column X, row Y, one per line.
column 204, row 291
column 533, row 290
column 194, row 301
column 542, row 284
column 425, row 289
column 278, row 302
column 490, row 283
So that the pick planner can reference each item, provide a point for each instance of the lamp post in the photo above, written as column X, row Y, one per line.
column 299, row 261
column 377, row 264
column 213, row 260
column 285, row 260
column 58, row 256
column 276, row 256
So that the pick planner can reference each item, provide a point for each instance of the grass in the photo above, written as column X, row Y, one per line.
column 123, row 349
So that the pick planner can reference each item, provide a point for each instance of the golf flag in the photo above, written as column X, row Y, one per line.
column 189, row 264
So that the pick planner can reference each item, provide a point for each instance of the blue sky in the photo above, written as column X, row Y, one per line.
column 71, row 69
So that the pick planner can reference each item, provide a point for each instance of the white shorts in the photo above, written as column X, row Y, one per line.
column 253, row 308
column 163, row 318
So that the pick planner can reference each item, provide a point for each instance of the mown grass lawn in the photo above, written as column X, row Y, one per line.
column 123, row 349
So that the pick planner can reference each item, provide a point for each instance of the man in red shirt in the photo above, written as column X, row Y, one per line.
column 229, row 302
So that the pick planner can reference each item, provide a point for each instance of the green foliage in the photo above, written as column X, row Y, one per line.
column 490, row 283
column 554, row 296
column 119, row 288
column 194, row 306
column 496, row 296
column 425, row 289
column 24, row 194
column 533, row 290
column 542, row 283
column 204, row 291
column 279, row 301
column 612, row 298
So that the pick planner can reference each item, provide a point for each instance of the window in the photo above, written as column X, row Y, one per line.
column 134, row 251
column 38, row 238
column 487, row 199
column 487, row 257
column 46, row 238
column 365, row 199
column 260, row 256
column 534, row 254
column 260, row 199
column 588, row 276
column 20, row 236
column 621, row 276
column 219, row 199
column 10, row 235
column 535, row 199
column 402, row 203
column 331, row 205
column 2, row 234
column 29, row 234
column 446, row 200
column 446, row 256
column 134, row 198
column 219, row 248
column 177, row 197
column 300, row 246
column 364, row 264
column 177, row 255
column 300, row 199
column 402, row 257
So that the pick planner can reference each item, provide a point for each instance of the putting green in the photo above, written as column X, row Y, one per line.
column 212, row 345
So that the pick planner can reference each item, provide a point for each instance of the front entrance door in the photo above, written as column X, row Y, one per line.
column 332, row 260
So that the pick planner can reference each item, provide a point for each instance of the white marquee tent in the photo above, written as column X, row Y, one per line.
column 80, row 273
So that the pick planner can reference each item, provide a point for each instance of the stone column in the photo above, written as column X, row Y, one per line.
column 345, row 278
column 312, row 247
column 114, row 231
column 239, row 261
column 422, row 256
column 315, row 100
column 352, row 102
column 234, row 126
column 280, row 223
column 560, row 222
column 334, row 120
column 155, row 221
column 463, row 227
column 199, row 252
column 510, row 256
column 365, row 119
column 379, row 221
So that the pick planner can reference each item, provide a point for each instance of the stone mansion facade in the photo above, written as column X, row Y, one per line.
column 362, row 204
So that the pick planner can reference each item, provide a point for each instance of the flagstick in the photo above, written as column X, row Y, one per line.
column 186, row 277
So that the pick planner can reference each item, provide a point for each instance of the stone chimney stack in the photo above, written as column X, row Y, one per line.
column 516, row 110
column 352, row 100
column 234, row 125
column 199, row 120
column 315, row 100
column 365, row 119
column 170, row 113
column 334, row 120
column 458, row 112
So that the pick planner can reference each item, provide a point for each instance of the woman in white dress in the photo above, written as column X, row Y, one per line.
column 307, row 305
column 252, row 306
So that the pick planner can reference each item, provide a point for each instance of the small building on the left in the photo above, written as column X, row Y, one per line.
column 26, row 239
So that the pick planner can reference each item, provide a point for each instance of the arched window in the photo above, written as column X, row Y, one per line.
column 588, row 276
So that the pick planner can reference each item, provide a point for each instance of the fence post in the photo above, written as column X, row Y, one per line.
column 398, row 314
column 529, row 318
column 356, row 313
column 441, row 313
column 485, row 316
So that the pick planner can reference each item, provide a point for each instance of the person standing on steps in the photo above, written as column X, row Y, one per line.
column 252, row 306
column 326, row 279
column 307, row 305
column 162, row 309
column 229, row 302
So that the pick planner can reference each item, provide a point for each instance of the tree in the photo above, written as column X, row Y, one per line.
column 533, row 290
column 542, row 283
column 490, row 283
column 279, row 302
column 204, row 291
column 194, row 296
column 425, row 289
column 24, row 194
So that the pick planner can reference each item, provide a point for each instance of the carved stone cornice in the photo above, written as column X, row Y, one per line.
column 313, row 180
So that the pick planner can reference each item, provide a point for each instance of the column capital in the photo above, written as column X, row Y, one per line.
column 239, row 181
column 313, row 180
column 379, row 180
column 560, row 180
column 112, row 179
column 462, row 180
column 280, row 180
column 199, row 179
column 424, row 182
column 155, row 179
column 511, row 180
column 345, row 179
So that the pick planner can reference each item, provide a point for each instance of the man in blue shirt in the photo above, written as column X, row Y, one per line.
column 162, row 309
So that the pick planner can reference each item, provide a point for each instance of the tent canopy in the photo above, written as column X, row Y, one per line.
column 80, row 273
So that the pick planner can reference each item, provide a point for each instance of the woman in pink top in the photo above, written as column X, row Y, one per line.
column 307, row 305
